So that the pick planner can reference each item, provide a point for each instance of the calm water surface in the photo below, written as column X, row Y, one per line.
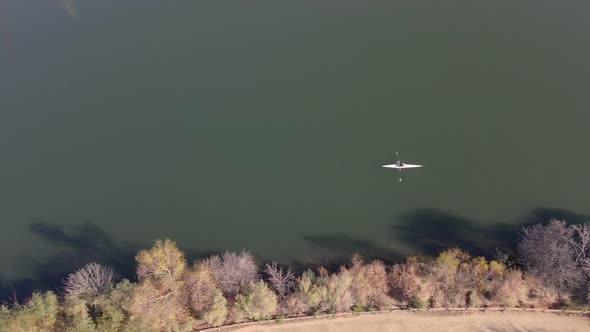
column 263, row 125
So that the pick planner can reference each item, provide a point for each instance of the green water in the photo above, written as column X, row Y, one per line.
column 264, row 125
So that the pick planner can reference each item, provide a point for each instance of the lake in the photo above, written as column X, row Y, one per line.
column 263, row 125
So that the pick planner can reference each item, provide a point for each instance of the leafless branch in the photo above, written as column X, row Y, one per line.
column 93, row 279
column 232, row 270
column 280, row 280
column 549, row 253
column 581, row 242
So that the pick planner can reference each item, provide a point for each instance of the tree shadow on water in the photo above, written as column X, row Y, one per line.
column 76, row 246
column 430, row 231
column 341, row 247
column 424, row 231
column 545, row 214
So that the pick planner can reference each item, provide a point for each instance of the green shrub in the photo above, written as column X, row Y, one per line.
column 217, row 312
column 113, row 307
column 38, row 314
column 474, row 300
column 358, row 308
column 75, row 314
column 416, row 302
column 335, row 292
column 257, row 301
column 580, row 307
column 4, row 316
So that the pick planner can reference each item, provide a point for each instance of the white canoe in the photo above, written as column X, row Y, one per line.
column 397, row 166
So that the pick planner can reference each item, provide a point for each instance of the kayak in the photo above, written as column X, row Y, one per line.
column 404, row 166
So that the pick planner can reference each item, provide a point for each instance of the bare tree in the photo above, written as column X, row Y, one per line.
column 232, row 270
column 281, row 280
column 548, row 252
column 93, row 279
column 581, row 241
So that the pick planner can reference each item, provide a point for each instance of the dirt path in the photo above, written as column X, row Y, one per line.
column 431, row 322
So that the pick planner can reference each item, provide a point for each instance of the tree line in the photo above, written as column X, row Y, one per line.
column 551, row 269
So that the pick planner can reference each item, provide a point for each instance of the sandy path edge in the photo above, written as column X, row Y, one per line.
column 458, row 320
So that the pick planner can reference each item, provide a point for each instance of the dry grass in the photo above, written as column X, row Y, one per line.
column 439, row 322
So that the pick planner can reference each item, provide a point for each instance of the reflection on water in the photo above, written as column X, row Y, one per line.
column 69, row 6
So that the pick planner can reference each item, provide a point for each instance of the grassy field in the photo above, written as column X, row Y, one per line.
column 431, row 322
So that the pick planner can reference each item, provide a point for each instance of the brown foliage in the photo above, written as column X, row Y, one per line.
column 323, row 272
column 377, row 276
column 199, row 285
column 369, row 283
column 159, row 307
column 518, row 289
column 452, row 276
column 403, row 279
column 293, row 305
column 453, row 279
